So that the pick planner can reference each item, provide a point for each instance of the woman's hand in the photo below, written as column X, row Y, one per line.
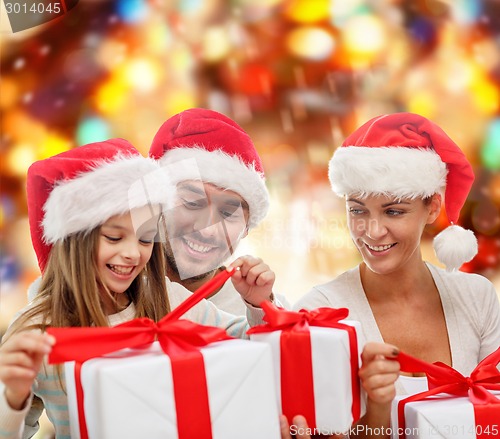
column 300, row 430
column 379, row 371
column 21, row 357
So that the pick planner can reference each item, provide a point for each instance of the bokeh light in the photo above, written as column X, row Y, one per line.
column 92, row 129
column 52, row 144
column 216, row 44
column 341, row 10
column 490, row 151
column 363, row 38
column 20, row 157
column 309, row 42
column 10, row 92
column 111, row 53
column 466, row 11
column 141, row 74
column 111, row 96
column 132, row 11
column 307, row 11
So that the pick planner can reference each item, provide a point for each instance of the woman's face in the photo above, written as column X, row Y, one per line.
column 387, row 231
column 125, row 247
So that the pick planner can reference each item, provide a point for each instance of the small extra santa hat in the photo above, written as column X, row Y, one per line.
column 224, row 155
column 408, row 156
column 80, row 189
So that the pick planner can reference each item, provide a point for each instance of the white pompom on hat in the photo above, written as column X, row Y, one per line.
column 80, row 189
column 408, row 156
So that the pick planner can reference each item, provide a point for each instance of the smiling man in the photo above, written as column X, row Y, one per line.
column 221, row 195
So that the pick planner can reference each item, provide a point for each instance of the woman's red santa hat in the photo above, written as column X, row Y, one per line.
column 407, row 156
column 80, row 189
column 201, row 144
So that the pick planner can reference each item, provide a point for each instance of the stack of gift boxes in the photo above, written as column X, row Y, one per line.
column 178, row 379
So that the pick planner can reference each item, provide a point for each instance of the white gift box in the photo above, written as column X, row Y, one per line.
column 130, row 394
column 441, row 417
column 331, row 368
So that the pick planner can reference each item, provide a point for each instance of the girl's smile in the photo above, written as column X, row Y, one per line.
column 125, row 246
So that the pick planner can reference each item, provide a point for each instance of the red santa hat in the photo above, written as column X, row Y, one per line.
column 221, row 153
column 408, row 156
column 80, row 189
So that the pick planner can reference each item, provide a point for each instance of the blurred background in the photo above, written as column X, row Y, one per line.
column 297, row 75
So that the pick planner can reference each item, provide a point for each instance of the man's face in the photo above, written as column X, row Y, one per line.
column 204, row 228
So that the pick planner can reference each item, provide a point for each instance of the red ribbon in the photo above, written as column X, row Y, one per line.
column 297, row 389
column 179, row 339
column 444, row 379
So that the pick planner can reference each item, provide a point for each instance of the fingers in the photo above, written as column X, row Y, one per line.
column 284, row 428
column 253, row 270
column 299, row 428
column 25, row 351
column 300, row 425
column 379, row 371
column 372, row 349
column 31, row 343
column 21, row 357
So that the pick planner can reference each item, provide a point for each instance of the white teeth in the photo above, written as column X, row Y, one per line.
column 379, row 248
column 198, row 248
column 121, row 270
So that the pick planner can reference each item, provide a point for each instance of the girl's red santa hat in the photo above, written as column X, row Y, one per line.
column 80, row 189
column 408, row 156
column 201, row 144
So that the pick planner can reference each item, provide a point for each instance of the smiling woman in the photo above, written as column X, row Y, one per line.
column 387, row 230
column 392, row 172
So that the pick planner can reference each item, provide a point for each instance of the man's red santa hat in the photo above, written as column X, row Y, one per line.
column 407, row 156
column 222, row 153
column 80, row 189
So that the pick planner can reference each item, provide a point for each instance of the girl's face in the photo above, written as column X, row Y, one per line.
column 125, row 246
column 387, row 231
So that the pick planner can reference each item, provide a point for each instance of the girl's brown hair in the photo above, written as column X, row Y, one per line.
column 69, row 291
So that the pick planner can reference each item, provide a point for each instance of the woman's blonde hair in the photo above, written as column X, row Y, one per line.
column 69, row 291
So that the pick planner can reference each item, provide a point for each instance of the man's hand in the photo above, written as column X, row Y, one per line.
column 254, row 280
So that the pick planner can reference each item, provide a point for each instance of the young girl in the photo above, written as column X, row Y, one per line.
column 94, row 214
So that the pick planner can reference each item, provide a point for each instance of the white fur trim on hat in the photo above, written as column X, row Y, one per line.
column 109, row 188
column 400, row 171
column 222, row 170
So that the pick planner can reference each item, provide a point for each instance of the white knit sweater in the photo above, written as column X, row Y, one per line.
column 470, row 304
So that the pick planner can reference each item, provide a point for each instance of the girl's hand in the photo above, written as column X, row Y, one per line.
column 254, row 280
column 20, row 359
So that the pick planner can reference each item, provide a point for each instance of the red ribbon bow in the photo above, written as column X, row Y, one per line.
column 444, row 379
column 279, row 318
column 179, row 339
column 297, row 389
